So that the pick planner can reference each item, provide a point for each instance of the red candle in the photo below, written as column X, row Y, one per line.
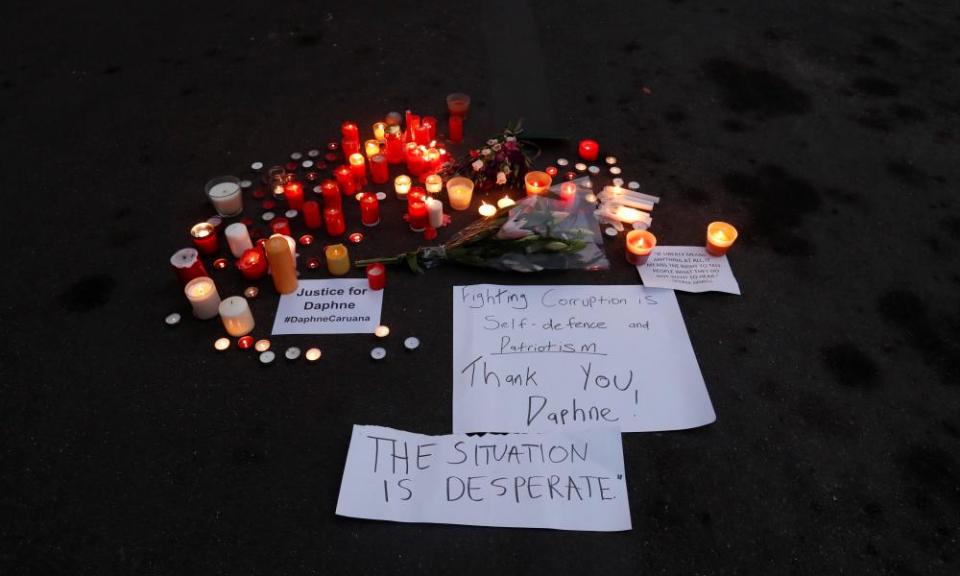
column 417, row 215
column 252, row 264
column 377, row 276
column 431, row 123
column 294, row 194
column 350, row 131
column 421, row 133
column 331, row 193
column 369, row 209
column 334, row 219
column 311, row 213
column 640, row 244
column 350, row 147
column 416, row 193
column 187, row 265
column 589, row 149
column 379, row 170
column 394, row 148
column 358, row 167
column 281, row 226
column 414, row 160
column 345, row 180
column 413, row 121
column 204, row 238
column 456, row 129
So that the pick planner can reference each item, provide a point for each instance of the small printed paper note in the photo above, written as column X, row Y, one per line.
column 570, row 480
column 345, row 306
column 542, row 358
column 688, row 268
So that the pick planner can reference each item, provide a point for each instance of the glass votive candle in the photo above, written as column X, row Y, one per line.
column 402, row 185
column 568, row 191
column 224, row 194
column 380, row 131
column 433, row 183
column 458, row 104
column 537, row 182
column 371, row 148
column 204, row 237
column 720, row 237
column 460, row 192
column 640, row 243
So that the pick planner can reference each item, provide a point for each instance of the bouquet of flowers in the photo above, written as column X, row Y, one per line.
column 538, row 233
column 503, row 161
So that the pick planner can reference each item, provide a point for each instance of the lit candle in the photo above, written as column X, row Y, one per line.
column 487, row 210
column 414, row 159
column 537, row 182
column 639, row 245
column 338, row 259
column 377, row 276
column 345, row 180
column 455, row 127
column 238, row 238
column 402, row 185
column 333, row 217
column 358, row 167
column 417, row 215
column 568, row 191
column 282, row 265
column 203, row 296
column 720, row 236
column 379, row 170
column 431, row 161
column 224, row 194
column 369, row 209
column 460, row 192
column 331, row 193
column 204, row 237
column 394, row 145
column 379, row 130
column 187, row 265
column 236, row 316
column 434, row 183
column 371, row 148
column 311, row 214
column 434, row 212
column 505, row 202
column 589, row 150
column 252, row 264
column 294, row 194
column 280, row 226
column 349, row 131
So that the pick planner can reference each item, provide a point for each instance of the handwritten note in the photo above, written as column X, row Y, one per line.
column 345, row 306
column 540, row 358
column 562, row 480
column 688, row 268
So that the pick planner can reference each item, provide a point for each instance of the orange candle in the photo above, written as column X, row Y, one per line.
column 720, row 237
column 282, row 266
column 640, row 244
column 379, row 130
column 537, row 182
column 371, row 148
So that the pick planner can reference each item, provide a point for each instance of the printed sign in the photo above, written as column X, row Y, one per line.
column 346, row 306
column 688, row 268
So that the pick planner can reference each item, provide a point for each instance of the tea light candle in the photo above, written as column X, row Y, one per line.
column 589, row 150
column 379, row 170
column 433, row 183
column 204, row 237
column 345, row 180
column 371, row 148
column 417, row 215
column 460, row 192
column 338, row 259
column 203, row 296
column 379, row 130
column 236, row 316
column 369, row 209
column 221, row 344
column 402, row 185
column 224, row 194
column 505, row 202
column 187, row 265
column 568, row 191
column 720, row 236
column 238, row 238
column 537, row 182
column 358, row 167
column 377, row 276
column 434, row 212
column 311, row 214
column 293, row 191
column 331, row 193
column 333, row 217
column 282, row 265
column 487, row 210
column 640, row 243
column 252, row 264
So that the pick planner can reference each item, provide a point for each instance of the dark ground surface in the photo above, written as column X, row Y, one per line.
column 829, row 134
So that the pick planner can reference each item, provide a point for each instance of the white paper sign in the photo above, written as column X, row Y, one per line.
column 688, row 268
column 539, row 358
column 345, row 306
column 563, row 480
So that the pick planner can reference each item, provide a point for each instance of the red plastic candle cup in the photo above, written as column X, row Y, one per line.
column 187, row 265
column 281, row 226
column 345, row 180
column 333, row 217
column 369, row 209
column 350, row 147
column 458, row 104
column 417, row 215
column 252, row 264
column 358, row 167
column 640, row 244
column 455, row 127
column 311, row 214
column 415, row 162
column 293, row 191
column 412, row 122
column 568, row 191
column 720, row 237
column 421, row 134
column 589, row 150
column 377, row 276
column 379, row 170
column 417, row 193
column 394, row 145
column 204, row 237
column 431, row 123
column 349, row 131
column 331, row 193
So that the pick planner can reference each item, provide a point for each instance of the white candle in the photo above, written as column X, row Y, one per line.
column 402, row 185
column 435, row 212
column 238, row 238
column 224, row 194
column 236, row 316
column 505, row 202
column 487, row 210
column 433, row 183
column 203, row 296
column 460, row 192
